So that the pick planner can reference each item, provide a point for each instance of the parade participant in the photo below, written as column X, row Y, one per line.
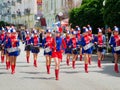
column 115, row 44
column 91, row 36
column 79, row 37
column 68, row 50
column 8, row 36
column 100, row 41
column 2, row 38
column 35, row 40
column 86, row 43
column 74, row 43
column 48, row 44
column 27, row 41
column 57, row 52
column 13, row 50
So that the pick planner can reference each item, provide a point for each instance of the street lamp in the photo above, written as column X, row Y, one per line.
column 106, row 27
column 38, row 22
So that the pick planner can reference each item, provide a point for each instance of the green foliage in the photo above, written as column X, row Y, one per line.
column 112, row 12
column 3, row 24
column 90, row 12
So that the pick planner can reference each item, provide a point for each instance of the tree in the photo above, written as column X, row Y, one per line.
column 3, row 24
column 90, row 12
column 112, row 13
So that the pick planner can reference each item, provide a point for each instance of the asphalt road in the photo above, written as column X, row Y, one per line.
column 27, row 77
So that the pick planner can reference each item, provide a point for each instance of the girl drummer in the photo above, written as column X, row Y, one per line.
column 48, row 43
column 35, row 40
column 2, row 39
column 100, row 41
column 27, row 41
column 74, row 44
column 8, row 35
column 13, row 50
column 86, row 43
column 57, row 52
column 68, row 50
column 115, row 44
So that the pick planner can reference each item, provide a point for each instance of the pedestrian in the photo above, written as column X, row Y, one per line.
column 100, row 41
column 35, row 40
column 57, row 52
column 48, row 45
column 115, row 44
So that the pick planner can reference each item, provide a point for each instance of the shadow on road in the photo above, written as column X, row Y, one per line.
column 109, row 70
column 3, row 73
column 70, row 72
column 34, row 72
column 42, row 78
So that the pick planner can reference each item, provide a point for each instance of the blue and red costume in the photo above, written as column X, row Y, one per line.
column 2, row 43
column 114, row 42
column 49, row 43
column 13, row 42
column 27, row 41
column 68, row 50
column 60, row 45
column 100, row 40
column 86, row 40
column 35, row 40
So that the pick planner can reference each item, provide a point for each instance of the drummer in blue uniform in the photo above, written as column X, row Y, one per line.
column 13, row 50
column 100, row 41
column 79, row 37
column 86, row 43
column 74, row 46
column 91, row 36
column 47, row 44
column 35, row 40
column 68, row 50
column 27, row 41
column 8, row 36
column 2, row 38
column 115, row 44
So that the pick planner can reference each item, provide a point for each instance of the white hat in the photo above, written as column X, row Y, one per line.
column 116, row 29
column 99, row 30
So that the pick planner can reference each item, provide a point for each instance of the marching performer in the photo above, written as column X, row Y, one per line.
column 68, row 50
column 2, row 39
column 115, row 44
column 57, row 52
column 79, row 37
column 91, row 36
column 27, row 41
column 8, row 36
column 74, row 43
column 48, row 44
column 86, row 43
column 35, row 40
column 13, row 50
column 100, row 41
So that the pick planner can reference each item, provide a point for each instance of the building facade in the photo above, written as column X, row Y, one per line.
column 52, row 9
column 21, row 12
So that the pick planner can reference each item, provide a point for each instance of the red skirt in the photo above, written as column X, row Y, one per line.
column 57, row 54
